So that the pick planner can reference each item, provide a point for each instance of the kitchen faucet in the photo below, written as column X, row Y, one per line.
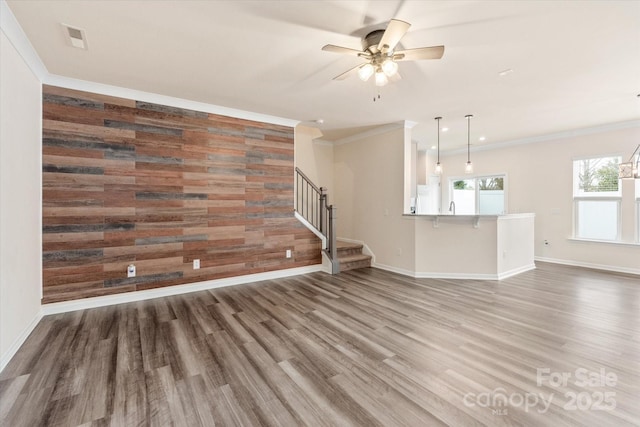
column 452, row 207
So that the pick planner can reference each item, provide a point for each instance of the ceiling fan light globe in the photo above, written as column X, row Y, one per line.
column 381, row 78
column 365, row 72
column 390, row 67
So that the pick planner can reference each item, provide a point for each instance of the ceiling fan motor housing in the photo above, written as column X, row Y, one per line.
column 370, row 41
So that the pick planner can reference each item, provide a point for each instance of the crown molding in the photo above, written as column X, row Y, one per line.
column 548, row 137
column 12, row 29
column 373, row 132
column 320, row 141
column 138, row 95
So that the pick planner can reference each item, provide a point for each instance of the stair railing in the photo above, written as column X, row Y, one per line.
column 311, row 204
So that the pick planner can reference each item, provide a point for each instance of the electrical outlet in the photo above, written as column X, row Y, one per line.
column 131, row 270
column 288, row 253
column 196, row 264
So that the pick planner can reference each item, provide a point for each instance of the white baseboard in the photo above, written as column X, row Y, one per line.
column 15, row 346
column 515, row 271
column 457, row 276
column 463, row 276
column 604, row 267
column 66, row 306
column 435, row 275
column 393, row 269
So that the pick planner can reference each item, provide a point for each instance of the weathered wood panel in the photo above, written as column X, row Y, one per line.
column 126, row 181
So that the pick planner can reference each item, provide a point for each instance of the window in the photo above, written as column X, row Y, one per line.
column 491, row 196
column 596, row 197
column 480, row 195
column 637, row 185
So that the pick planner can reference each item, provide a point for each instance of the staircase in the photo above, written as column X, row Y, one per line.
column 313, row 210
column 351, row 257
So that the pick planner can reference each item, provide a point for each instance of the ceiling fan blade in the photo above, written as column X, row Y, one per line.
column 348, row 73
column 339, row 49
column 395, row 77
column 392, row 35
column 433, row 52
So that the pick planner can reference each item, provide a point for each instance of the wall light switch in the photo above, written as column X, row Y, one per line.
column 288, row 253
column 196, row 264
column 131, row 270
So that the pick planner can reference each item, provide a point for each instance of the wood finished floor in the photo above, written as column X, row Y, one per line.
column 366, row 348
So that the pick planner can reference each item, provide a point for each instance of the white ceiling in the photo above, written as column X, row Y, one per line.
column 575, row 64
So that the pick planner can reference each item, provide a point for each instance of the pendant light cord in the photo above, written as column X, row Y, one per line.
column 438, row 119
column 469, row 116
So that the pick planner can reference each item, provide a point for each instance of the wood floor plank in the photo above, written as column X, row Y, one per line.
column 363, row 348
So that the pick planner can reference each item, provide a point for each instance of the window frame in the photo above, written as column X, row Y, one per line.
column 637, row 219
column 605, row 196
column 636, row 185
column 505, row 187
column 576, row 219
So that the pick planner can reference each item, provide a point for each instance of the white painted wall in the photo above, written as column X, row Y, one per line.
column 314, row 158
column 516, row 237
column 456, row 248
column 20, row 195
column 539, row 180
column 369, row 178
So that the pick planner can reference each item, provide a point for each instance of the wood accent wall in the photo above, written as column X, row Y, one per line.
column 127, row 181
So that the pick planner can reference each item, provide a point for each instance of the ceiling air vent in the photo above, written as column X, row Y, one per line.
column 75, row 36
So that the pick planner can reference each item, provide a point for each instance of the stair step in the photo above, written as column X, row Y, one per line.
column 351, row 257
column 346, row 248
column 352, row 262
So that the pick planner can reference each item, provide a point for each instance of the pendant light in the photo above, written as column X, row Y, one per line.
column 469, row 166
column 630, row 169
column 438, row 170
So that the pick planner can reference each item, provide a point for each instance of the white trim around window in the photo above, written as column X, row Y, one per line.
column 590, row 199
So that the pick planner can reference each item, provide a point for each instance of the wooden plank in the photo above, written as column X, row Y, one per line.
column 153, row 184
column 366, row 347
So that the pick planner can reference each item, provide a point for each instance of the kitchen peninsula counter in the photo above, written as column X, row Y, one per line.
column 488, row 247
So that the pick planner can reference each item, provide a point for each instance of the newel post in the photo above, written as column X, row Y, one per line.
column 323, row 209
column 333, row 246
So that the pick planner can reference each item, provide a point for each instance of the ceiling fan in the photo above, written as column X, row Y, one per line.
column 378, row 49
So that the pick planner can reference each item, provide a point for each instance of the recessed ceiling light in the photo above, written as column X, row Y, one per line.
column 444, row 129
column 505, row 72
column 482, row 138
